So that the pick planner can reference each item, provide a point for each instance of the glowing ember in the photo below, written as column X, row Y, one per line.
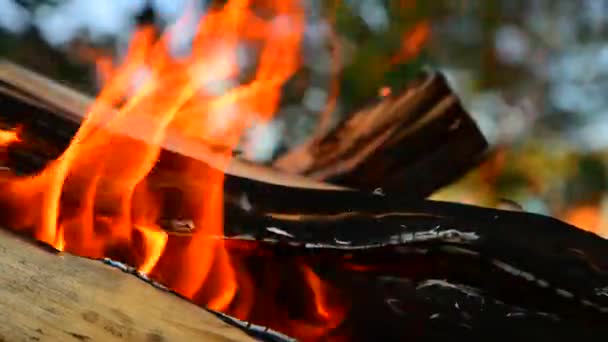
column 385, row 91
column 8, row 137
column 95, row 198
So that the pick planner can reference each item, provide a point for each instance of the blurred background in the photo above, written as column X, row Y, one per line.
column 533, row 73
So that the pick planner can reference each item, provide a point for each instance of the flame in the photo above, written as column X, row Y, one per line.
column 330, row 315
column 412, row 42
column 8, row 137
column 323, row 310
column 385, row 91
column 587, row 217
column 95, row 199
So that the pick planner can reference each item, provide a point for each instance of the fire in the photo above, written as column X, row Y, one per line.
column 8, row 137
column 413, row 42
column 96, row 199
column 587, row 217
column 325, row 311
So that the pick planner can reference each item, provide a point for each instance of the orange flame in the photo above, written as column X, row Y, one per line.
column 413, row 42
column 8, row 137
column 95, row 198
column 586, row 217
column 330, row 315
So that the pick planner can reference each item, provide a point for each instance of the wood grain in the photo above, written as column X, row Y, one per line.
column 401, row 143
column 46, row 296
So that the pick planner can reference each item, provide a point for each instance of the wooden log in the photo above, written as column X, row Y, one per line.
column 45, row 296
column 289, row 204
column 388, row 145
column 299, row 207
column 541, row 246
column 39, row 103
column 357, row 241
column 394, row 144
column 523, row 261
column 502, row 250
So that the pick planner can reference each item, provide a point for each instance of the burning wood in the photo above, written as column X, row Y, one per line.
column 278, row 233
column 307, row 258
column 393, row 144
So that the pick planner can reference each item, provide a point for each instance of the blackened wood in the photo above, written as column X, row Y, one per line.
column 412, row 143
column 549, row 249
column 530, row 272
column 422, row 269
column 538, row 264
column 417, row 307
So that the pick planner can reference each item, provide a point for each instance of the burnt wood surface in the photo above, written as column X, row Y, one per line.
column 422, row 270
column 533, row 275
column 411, row 143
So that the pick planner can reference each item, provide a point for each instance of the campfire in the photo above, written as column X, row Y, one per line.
column 336, row 233
column 96, row 199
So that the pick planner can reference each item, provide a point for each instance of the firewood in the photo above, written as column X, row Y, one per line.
column 47, row 296
column 466, row 270
column 287, row 205
column 390, row 145
column 531, row 273
column 548, row 274
column 394, row 144
column 531, row 262
column 37, row 102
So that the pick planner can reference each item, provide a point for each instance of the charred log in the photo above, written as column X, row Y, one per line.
column 531, row 274
column 528, row 271
column 392, row 145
